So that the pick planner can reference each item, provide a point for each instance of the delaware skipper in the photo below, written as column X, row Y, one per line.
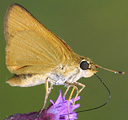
column 36, row 56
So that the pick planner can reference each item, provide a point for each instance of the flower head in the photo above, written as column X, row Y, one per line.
column 60, row 110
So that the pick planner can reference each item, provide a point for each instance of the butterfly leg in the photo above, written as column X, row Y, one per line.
column 74, row 87
column 48, row 90
column 75, row 84
column 66, row 91
column 70, row 85
column 78, row 91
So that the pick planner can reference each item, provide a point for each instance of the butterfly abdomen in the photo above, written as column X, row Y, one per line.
column 27, row 80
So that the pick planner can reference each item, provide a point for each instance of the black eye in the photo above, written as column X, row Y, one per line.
column 84, row 65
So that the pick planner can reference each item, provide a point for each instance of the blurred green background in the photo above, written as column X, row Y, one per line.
column 93, row 28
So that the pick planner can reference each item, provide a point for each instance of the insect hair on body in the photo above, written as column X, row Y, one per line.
column 36, row 56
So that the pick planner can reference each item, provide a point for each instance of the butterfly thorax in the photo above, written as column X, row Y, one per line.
column 66, row 74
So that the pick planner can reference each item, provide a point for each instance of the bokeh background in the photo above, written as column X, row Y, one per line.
column 93, row 28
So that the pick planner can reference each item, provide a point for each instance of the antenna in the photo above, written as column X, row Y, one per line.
column 119, row 72
column 102, row 104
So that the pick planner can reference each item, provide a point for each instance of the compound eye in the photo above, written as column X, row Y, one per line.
column 84, row 65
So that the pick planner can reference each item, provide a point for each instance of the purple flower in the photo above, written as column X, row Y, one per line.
column 60, row 110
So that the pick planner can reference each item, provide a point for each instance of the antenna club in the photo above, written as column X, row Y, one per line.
column 121, row 72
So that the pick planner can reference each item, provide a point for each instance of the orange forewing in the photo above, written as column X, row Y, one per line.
column 31, row 48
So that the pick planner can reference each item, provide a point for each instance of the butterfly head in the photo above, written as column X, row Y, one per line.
column 87, row 67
